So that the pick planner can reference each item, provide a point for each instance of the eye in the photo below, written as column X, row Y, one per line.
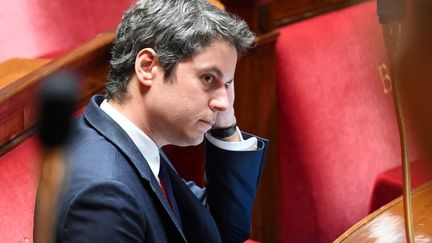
column 208, row 78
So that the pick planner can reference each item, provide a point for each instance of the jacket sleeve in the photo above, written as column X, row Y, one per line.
column 232, row 179
column 105, row 211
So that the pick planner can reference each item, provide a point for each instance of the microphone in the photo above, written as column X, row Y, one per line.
column 391, row 15
column 391, row 11
column 57, row 99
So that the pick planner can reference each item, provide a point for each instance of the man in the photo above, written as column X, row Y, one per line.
column 170, row 82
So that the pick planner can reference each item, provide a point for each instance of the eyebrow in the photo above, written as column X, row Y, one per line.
column 214, row 70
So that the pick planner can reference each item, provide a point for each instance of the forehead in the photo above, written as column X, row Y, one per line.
column 218, row 44
column 219, row 56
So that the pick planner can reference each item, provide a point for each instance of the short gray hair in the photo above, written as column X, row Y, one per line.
column 175, row 29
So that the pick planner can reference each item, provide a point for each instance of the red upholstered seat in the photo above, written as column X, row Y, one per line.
column 337, row 129
column 388, row 184
column 19, row 177
column 19, row 169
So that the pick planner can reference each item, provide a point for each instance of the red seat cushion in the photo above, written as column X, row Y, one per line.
column 388, row 185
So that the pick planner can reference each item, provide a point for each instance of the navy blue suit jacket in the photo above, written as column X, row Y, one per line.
column 111, row 195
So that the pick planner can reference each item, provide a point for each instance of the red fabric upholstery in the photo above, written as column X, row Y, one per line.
column 34, row 28
column 31, row 28
column 388, row 185
column 337, row 129
column 19, row 169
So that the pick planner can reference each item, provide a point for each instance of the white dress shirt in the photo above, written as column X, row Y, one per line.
column 149, row 149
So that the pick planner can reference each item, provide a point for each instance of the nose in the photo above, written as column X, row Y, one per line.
column 220, row 102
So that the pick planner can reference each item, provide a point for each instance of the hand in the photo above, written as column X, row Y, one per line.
column 227, row 118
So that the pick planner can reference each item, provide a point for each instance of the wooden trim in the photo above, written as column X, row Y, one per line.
column 74, row 60
column 266, row 38
column 12, row 121
column 421, row 198
column 368, row 219
column 313, row 11
column 16, row 68
column 17, row 99
column 217, row 3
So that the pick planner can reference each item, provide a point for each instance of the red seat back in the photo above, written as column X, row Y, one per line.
column 19, row 170
column 336, row 125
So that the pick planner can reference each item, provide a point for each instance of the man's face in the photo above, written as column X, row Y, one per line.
column 185, row 107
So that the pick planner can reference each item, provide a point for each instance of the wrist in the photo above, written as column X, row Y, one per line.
column 236, row 137
column 225, row 132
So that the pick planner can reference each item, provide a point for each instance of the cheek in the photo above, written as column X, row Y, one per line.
column 176, row 109
column 192, row 99
column 183, row 101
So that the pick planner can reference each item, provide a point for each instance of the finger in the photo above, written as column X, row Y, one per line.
column 231, row 94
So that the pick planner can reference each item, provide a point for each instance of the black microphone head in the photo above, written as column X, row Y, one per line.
column 57, row 100
column 391, row 11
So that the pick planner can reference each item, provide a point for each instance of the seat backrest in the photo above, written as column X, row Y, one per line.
column 34, row 28
column 337, row 129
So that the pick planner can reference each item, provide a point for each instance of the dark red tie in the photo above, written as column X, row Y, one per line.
column 167, row 190
column 162, row 184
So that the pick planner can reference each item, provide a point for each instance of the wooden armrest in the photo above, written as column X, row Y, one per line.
column 19, row 79
column 14, row 69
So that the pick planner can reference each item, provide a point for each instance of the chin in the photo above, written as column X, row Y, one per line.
column 191, row 141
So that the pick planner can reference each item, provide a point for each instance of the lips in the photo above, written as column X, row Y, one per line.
column 208, row 122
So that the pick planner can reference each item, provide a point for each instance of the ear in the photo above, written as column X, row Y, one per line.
column 146, row 66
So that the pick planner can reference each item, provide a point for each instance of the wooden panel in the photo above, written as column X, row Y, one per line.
column 10, row 127
column 256, row 109
column 285, row 12
column 30, row 114
column 14, row 116
column 283, row 9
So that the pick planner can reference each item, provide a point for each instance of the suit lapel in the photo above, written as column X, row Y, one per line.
column 108, row 128
column 198, row 224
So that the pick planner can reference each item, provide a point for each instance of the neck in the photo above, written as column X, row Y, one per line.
column 132, row 109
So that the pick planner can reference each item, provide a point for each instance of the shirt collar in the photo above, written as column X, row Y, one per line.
column 145, row 145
